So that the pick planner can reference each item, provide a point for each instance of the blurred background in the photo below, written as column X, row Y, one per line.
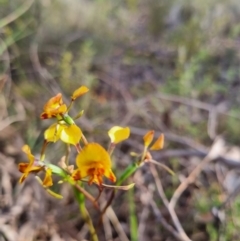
column 171, row 66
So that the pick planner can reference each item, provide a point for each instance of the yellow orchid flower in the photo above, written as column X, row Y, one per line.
column 54, row 107
column 34, row 166
column 118, row 134
column 70, row 134
column 93, row 162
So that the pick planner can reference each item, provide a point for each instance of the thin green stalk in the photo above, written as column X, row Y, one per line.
column 81, row 201
column 87, row 195
column 127, row 173
column 133, row 218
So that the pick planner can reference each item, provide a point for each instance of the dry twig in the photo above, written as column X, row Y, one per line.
column 216, row 150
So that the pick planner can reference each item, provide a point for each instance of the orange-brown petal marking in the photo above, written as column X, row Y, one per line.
column 95, row 175
column 76, row 175
column 94, row 162
column 27, row 167
column 22, row 167
column 52, row 112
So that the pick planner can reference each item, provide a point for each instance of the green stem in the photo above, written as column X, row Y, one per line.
column 87, row 195
column 81, row 201
column 133, row 218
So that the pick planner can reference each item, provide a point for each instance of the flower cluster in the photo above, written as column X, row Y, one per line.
column 93, row 162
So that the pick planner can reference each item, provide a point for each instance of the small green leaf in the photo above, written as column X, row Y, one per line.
column 57, row 170
column 127, row 173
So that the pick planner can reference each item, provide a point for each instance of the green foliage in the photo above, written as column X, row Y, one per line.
column 232, row 222
column 213, row 234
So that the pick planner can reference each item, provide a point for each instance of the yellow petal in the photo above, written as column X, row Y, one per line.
column 79, row 92
column 52, row 134
column 23, row 177
column 93, row 153
column 26, row 149
column 27, row 169
column 158, row 144
column 110, row 175
column 47, row 182
column 118, row 134
column 62, row 109
column 54, row 103
column 71, row 134
column 148, row 138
